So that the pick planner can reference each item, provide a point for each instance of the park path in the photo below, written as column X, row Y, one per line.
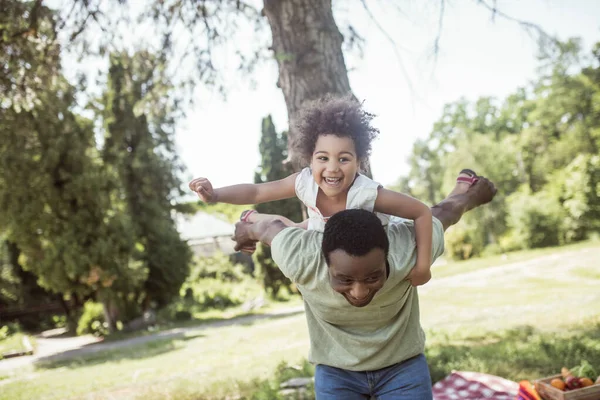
column 52, row 347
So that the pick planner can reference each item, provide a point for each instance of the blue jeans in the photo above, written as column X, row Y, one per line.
column 408, row 380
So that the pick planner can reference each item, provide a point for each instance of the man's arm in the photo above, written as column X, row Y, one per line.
column 247, row 234
column 297, row 252
column 450, row 210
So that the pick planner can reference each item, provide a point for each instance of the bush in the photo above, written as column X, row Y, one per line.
column 269, row 389
column 217, row 283
column 536, row 220
column 578, row 187
column 214, row 283
column 217, row 267
column 9, row 329
column 213, row 293
column 92, row 320
column 465, row 240
column 183, row 315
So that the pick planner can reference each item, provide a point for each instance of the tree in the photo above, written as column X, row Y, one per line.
column 139, row 148
column 539, row 146
column 306, row 42
column 273, row 149
column 19, row 288
column 55, row 199
column 309, row 56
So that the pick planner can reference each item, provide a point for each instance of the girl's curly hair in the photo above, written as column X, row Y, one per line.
column 331, row 115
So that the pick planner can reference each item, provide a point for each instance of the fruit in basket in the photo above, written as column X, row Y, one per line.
column 572, row 382
column 565, row 372
column 585, row 382
column 558, row 383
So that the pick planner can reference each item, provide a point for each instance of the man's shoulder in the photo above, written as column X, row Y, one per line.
column 297, row 252
column 297, row 240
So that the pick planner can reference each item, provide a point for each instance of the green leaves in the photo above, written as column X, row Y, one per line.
column 273, row 149
column 538, row 146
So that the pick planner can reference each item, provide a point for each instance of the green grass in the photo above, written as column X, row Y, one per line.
column 549, row 293
column 520, row 319
column 447, row 268
column 515, row 354
column 14, row 343
column 217, row 358
column 208, row 316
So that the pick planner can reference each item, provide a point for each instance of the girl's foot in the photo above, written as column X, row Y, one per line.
column 246, row 216
column 466, row 178
column 253, row 216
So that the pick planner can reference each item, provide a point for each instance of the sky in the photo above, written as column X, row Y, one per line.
column 479, row 56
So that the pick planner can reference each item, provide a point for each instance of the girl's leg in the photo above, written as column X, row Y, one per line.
column 254, row 216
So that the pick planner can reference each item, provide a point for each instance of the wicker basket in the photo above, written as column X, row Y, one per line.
column 549, row 392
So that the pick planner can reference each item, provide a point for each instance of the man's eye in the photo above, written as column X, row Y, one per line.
column 373, row 279
column 345, row 281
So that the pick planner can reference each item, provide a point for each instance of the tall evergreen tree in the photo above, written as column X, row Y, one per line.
column 139, row 147
column 273, row 150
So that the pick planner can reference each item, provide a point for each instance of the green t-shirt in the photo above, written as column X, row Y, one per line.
column 386, row 331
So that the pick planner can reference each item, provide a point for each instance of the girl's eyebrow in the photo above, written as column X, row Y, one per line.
column 342, row 152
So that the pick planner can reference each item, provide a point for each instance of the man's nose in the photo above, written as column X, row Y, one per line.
column 359, row 291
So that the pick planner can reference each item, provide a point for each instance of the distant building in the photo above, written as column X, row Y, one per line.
column 206, row 234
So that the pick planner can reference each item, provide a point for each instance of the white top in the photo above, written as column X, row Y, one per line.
column 361, row 195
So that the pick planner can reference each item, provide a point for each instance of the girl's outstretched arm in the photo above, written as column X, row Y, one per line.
column 401, row 205
column 247, row 193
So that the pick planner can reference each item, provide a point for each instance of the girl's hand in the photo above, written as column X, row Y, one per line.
column 204, row 189
column 419, row 275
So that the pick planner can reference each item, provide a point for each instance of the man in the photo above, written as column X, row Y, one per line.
column 362, row 313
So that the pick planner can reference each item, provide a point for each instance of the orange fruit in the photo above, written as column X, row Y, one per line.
column 558, row 383
column 585, row 382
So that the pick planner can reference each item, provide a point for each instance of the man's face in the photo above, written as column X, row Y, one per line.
column 358, row 278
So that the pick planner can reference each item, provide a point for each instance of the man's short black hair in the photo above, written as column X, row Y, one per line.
column 356, row 232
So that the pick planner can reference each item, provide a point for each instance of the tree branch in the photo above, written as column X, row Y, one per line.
column 528, row 26
column 436, row 43
column 394, row 46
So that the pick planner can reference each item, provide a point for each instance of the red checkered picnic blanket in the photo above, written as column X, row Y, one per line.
column 460, row 385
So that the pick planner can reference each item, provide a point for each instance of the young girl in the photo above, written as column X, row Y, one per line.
column 334, row 138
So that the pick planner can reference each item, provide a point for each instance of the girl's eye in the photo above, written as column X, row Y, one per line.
column 322, row 158
column 343, row 160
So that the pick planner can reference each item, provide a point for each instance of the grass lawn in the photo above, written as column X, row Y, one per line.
column 445, row 268
column 520, row 319
column 212, row 315
column 15, row 343
column 212, row 360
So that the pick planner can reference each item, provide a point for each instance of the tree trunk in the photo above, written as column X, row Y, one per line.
column 308, row 48
column 110, row 314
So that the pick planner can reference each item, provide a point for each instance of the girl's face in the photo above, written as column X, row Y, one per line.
column 334, row 164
